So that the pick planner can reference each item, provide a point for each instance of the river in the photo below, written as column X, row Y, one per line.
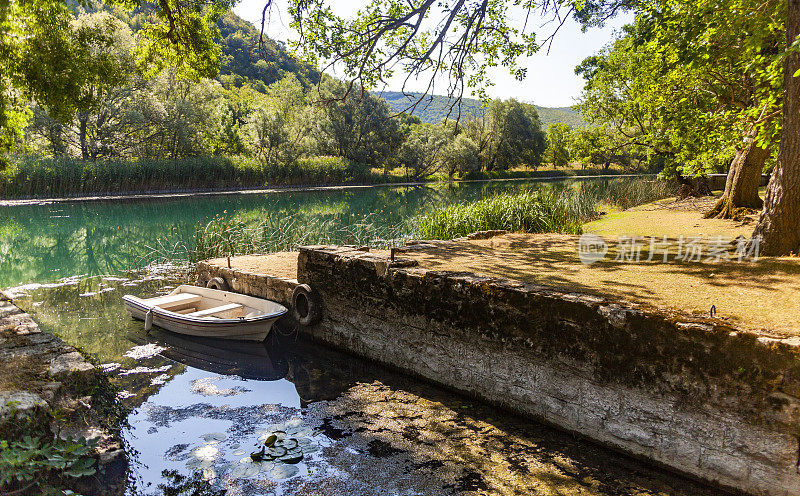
column 200, row 407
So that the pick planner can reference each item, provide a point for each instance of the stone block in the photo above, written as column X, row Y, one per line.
column 73, row 367
column 20, row 405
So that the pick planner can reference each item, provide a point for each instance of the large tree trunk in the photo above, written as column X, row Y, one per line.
column 741, row 187
column 779, row 224
column 83, row 123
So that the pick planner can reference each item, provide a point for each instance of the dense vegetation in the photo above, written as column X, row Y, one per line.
column 264, row 119
column 433, row 109
column 550, row 210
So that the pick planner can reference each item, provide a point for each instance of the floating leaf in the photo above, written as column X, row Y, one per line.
column 283, row 471
column 291, row 458
column 214, row 436
column 258, row 455
column 277, row 451
column 271, row 440
column 239, row 452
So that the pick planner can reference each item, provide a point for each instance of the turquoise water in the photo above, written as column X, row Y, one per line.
column 44, row 243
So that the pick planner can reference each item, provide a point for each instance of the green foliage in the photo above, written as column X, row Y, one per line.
column 461, row 156
column 386, row 36
column 242, row 64
column 542, row 211
column 551, row 210
column 690, row 82
column 516, row 135
column 354, row 124
column 433, row 109
column 559, row 143
column 61, row 177
column 319, row 170
column 181, row 34
column 32, row 463
column 30, row 176
column 423, row 150
column 64, row 66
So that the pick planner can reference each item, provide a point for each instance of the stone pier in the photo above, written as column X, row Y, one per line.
column 689, row 393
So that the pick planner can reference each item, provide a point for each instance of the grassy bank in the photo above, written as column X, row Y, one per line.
column 552, row 209
column 33, row 177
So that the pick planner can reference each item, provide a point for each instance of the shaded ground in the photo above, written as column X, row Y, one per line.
column 670, row 218
column 757, row 295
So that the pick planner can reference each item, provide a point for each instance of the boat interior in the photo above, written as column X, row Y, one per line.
column 203, row 306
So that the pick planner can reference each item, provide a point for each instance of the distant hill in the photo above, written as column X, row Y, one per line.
column 433, row 109
column 241, row 62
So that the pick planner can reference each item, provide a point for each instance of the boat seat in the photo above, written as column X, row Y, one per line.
column 208, row 312
column 172, row 301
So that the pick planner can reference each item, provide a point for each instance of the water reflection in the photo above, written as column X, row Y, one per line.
column 44, row 243
column 202, row 406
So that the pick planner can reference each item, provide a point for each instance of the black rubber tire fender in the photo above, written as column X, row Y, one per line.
column 306, row 305
column 218, row 283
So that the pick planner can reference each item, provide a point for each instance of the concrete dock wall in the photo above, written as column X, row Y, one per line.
column 685, row 392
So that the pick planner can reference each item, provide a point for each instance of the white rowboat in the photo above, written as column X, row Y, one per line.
column 207, row 312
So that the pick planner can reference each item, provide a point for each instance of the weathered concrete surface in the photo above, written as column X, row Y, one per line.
column 39, row 374
column 688, row 393
column 249, row 282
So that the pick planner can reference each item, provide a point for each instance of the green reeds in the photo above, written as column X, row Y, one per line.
column 549, row 210
column 532, row 212
column 62, row 177
column 226, row 237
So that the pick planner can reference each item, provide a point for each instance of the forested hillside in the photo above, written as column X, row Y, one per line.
column 241, row 62
column 434, row 108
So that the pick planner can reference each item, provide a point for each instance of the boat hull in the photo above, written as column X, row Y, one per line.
column 243, row 329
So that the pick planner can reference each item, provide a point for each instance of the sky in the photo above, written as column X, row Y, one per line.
column 551, row 79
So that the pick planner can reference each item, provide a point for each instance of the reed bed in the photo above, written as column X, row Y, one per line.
column 30, row 177
column 226, row 237
column 552, row 211
column 548, row 210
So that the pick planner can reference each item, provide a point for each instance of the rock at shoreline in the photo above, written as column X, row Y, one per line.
column 19, row 405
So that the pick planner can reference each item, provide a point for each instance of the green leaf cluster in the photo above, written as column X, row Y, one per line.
column 35, row 463
column 691, row 81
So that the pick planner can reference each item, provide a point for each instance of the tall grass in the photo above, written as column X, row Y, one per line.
column 226, row 237
column 46, row 177
column 550, row 210
column 559, row 211
column 624, row 194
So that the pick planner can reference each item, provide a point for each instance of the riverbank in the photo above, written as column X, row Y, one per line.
column 191, row 193
column 51, row 393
